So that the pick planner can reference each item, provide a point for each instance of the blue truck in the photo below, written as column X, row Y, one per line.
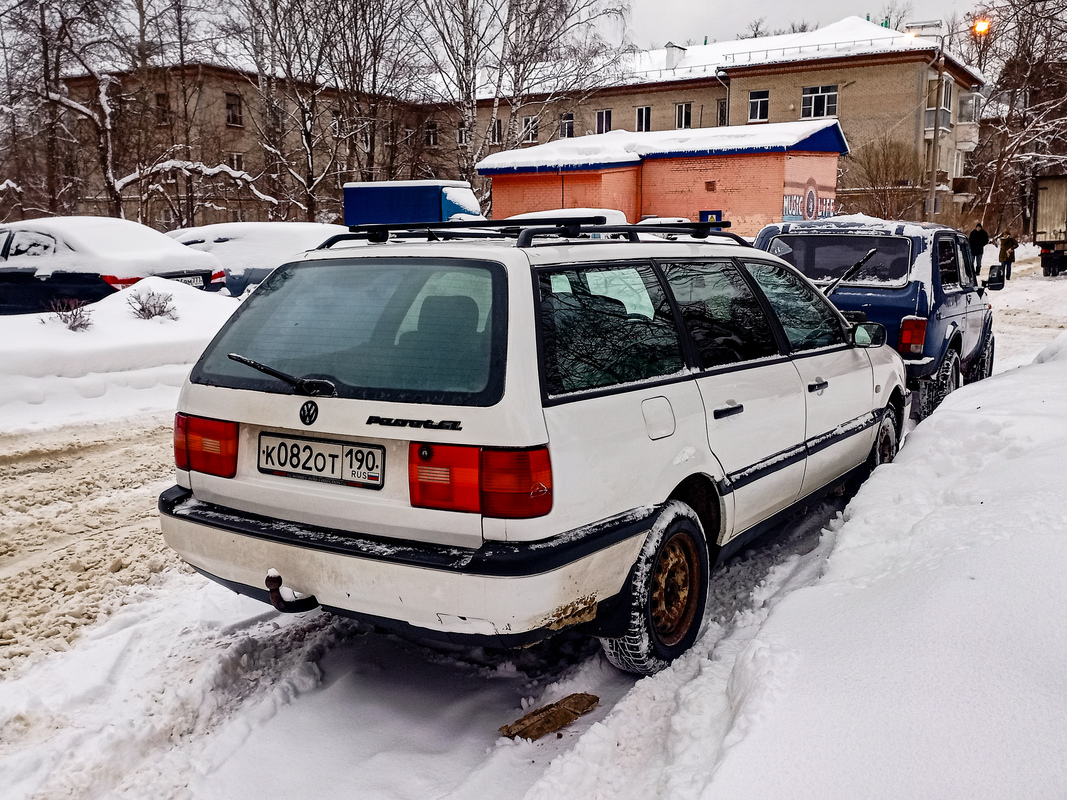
column 919, row 282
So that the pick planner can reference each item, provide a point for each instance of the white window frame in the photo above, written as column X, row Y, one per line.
column 603, row 120
column 683, row 116
column 431, row 133
column 817, row 102
column 644, row 118
column 566, row 125
column 529, row 130
column 759, row 107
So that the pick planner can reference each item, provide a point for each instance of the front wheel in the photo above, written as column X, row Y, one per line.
column 947, row 380
column 887, row 439
column 668, row 594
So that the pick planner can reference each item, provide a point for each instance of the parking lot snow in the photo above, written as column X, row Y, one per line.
column 908, row 647
column 121, row 364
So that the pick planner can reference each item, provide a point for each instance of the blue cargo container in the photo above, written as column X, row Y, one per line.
column 398, row 202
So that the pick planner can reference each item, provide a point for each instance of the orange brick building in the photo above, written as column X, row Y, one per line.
column 750, row 175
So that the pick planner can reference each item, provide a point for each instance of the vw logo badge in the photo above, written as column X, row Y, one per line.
column 309, row 412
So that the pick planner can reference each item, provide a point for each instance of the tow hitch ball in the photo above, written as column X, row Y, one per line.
column 290, row 606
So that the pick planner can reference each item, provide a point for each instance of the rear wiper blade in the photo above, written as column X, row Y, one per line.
column 313, row 387
column 848, row 273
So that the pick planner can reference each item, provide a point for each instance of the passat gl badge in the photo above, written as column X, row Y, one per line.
column 309, row 412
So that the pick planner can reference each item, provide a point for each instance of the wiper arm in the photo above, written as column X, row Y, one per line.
column 848, row 273
column 313, row 387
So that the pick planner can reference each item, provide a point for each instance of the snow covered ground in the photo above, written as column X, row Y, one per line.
column 907, row 647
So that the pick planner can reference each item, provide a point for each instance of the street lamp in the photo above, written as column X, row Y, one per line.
column 979, row 27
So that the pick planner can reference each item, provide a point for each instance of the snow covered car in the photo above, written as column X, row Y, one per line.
column 489, row 441
column 55, row 259
column 248, row 251
column 919, row 283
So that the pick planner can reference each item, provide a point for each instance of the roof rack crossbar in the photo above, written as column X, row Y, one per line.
column 379, row 232
column 700, row 230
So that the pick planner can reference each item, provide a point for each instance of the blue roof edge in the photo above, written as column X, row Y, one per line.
column 829, row 139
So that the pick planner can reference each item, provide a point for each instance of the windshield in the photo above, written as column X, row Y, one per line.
column 825, row 257
column 409, row 330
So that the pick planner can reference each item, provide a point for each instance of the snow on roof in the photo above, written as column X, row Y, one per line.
column 852, row 36
column 620, row 148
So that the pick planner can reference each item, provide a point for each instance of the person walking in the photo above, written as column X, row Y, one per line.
column 978, row 239
column 1007, row 253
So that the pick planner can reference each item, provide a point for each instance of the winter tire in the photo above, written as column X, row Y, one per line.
column 947, row 380
column 886, row 440
column 983, row 364
column 668, row 594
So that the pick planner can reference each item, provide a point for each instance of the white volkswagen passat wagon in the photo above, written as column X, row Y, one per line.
column 489, row 441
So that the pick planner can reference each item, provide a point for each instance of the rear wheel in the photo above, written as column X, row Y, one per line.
column 668, row 594
column 947, row 380
column 887, row 439
column 983, row 364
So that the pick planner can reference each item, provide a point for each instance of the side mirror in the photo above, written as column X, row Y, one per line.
column 995, row 281
column 869, row 334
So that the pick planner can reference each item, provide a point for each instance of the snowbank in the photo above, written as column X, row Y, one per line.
column 50, row 375
column 926, row 661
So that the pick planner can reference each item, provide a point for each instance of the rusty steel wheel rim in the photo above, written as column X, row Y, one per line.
column 675, row 589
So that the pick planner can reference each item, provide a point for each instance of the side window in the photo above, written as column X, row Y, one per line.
column 605, row 326
column 721, row 313
column 947, row 263
column 28, row 243
column 807, row 317
column 963, row 257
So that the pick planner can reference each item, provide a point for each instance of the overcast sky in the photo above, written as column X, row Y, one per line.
column 653, row 23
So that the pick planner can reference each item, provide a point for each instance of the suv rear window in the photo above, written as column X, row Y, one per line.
column 825, row 257
column 402, row 329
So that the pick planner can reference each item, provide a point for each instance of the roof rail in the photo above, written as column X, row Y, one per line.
column 699, row 230
column 525, row 230
column 507, row 227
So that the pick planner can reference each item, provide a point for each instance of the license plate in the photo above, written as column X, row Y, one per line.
column 347, row 463
column 190, row 280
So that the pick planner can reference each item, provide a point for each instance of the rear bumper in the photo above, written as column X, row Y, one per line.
column 501, row 594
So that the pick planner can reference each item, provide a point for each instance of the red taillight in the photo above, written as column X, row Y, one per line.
column 516, row 483
column 205, row 445
column 119, row 283
column 444, row 476
column 494, row 482
column 217, row 277
column 912, row 335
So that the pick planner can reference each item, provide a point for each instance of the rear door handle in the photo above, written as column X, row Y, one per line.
column 818, row 386
column 728, row 411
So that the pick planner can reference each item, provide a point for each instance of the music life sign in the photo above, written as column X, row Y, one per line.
column 810, row 205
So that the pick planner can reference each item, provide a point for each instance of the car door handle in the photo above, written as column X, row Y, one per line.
column 818, row 386
column 728, row 411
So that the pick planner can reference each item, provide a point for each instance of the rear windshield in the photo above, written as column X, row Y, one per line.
column 400, row 329
column 825, row 257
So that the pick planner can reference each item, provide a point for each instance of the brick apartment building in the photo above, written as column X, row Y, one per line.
column 878, row 83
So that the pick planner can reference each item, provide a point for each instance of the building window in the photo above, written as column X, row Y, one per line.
column 944, row 113
column 431, row 134
column 463, row 135
column 722, row 109
column 603, row 121
column 237, row 162
column 496, row 132
column 969, row 106
column 566, row 126
column 683, row 115
column 163, row 115
column 759, row 104
column 234, row 115
column 644, row 118
column 529, row 130
column 818, row 101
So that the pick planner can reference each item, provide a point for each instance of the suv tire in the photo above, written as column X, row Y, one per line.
column 947, row 380
column 668, row 594
column 982, row 367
